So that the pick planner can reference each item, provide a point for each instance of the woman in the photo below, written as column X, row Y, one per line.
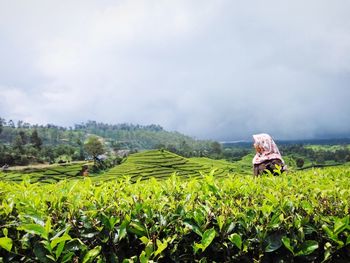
column 267, row 155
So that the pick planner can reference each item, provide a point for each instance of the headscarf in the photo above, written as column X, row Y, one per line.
column 270, row 150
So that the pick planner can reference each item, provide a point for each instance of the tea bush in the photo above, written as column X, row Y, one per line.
column 296, row 217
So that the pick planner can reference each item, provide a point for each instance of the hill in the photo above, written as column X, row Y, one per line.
column 24, row 144
column 159, row 164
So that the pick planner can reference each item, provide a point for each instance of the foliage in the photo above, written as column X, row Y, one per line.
column 94, row 146
column 48, row 140
column 300, row 217
column 35, row 139
column 318, row 154
column 300, row 162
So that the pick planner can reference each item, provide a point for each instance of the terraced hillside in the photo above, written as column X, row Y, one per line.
column 161, row 164
column 49, row 174
column 144, row 165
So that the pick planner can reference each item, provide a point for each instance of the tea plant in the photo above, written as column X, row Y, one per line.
column 296, row 217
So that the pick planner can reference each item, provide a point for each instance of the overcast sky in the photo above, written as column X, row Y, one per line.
column 218, row 69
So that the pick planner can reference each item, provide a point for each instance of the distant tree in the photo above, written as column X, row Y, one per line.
column 300, row 162
column 347, row 158
column 18, row 143
column 36, row 140
column 19, row 124
column 11, row 124
column 23, row 136
column 185, row 149
column 94, row 147
column 159, row 146
column 2, row 123
column 216, row 148
column 80, row 155
column 171, row 148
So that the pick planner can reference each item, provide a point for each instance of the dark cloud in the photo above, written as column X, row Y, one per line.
column 211, row 69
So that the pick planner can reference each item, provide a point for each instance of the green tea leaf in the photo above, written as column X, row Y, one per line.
column 6, row 243
column 286, row 243
column 236, row 240
column 42, row 254
column 199, row 217
column 34, row 229
column 48, row 225
column 67, row 257
column 160, row 247
column 58, row 240
column 340, row 225
column 307, row 206
column 75, row 245
column 273, row 242
column 207, row 238
column 137, row 228
column 329, row 232
column 327, row 251
column 307, row 248
column 275, row 221
column 193, row 227
column 91, row 254
column 144, row 240
column 143, row 258
column 221, row 220
column 59, row 249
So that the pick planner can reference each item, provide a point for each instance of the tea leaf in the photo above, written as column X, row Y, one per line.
column 307, row 248
column 34, row 229
column 91, row 254
column 6, row 243
column 273, row 242
column 236, row 240
column 207, row 238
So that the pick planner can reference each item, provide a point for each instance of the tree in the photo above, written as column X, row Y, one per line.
column 11, row 124
column 94, row 147
column 216, row 148
column 36, row 140
column 23, row 136
column 18, row 143
column 300, row 162
column 2, row 123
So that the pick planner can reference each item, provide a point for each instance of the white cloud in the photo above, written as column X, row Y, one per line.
column 207, row 68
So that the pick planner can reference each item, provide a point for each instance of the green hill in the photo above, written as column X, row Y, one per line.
column 161, row 164
column 26, row 144
column 45, row 174
column 144, row 165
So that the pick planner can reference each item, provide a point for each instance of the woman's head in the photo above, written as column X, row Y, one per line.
column 262, row 142
column 258, row 148
column 266, row 149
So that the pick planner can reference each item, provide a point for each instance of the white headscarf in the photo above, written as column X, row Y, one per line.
column 270, row 150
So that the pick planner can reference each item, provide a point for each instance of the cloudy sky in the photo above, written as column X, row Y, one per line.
column 222, row 69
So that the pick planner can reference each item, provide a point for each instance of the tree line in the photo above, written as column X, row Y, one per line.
column 302, row 153
column 22, row 143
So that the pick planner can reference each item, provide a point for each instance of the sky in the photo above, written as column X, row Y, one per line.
column 223, row 69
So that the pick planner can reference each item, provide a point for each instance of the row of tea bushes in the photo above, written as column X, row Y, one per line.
column 296, row 217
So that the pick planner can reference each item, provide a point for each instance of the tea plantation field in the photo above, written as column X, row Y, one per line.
column 144, row 165
column 49, row 174
column 161, row 164
column 188, row 210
